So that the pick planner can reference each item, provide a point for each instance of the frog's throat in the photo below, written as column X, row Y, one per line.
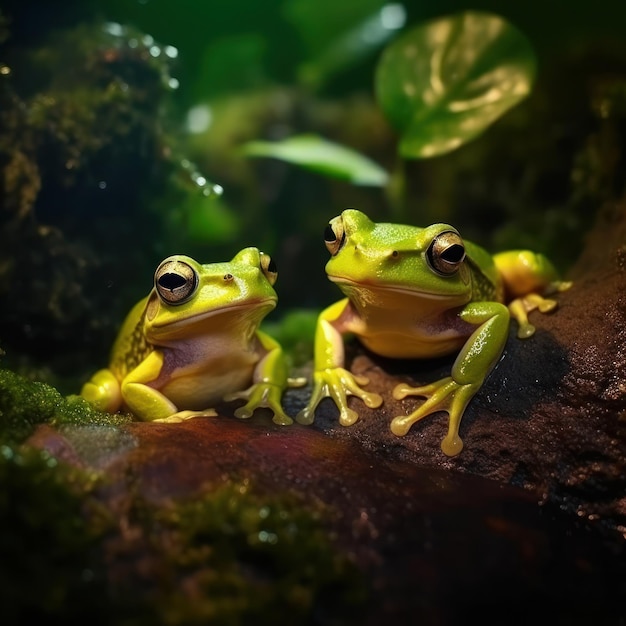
column 374, row 286
column 246, row 305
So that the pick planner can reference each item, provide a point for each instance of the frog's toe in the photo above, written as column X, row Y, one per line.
column 452, row 445
column 170, row 419
column 347, row 417
column 402, row 390
column 244, row 412
column 306, row 416
column 546, row 305
column 525, row 330
column 299, row 381
column 183, row 416
column 282, row 419
column 372, row 400
column 401, row 425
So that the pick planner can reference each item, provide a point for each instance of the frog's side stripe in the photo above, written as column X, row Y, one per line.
column 135, row 350
column 483, row 287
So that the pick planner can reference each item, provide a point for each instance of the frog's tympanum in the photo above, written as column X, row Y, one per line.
column 420, row 293
column 195, row 341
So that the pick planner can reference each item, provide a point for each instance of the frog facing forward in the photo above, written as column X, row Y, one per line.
column 417, row 293
column 195, row 341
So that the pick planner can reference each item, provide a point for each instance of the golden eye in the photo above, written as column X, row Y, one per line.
column 175, row 281
column 269, row 268
column 446, row 253
column 334, row 235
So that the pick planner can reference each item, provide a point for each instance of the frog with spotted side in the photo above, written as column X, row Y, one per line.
column 418, row 293
column 195, row 341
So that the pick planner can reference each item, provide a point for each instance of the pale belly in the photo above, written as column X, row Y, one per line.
column 202, row 386
column 402, row 335
column 407, row 326
column 399, row 346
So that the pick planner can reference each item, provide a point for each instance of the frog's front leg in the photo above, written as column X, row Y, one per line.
column 330, row 378
column 476, row 359
column 269, row 383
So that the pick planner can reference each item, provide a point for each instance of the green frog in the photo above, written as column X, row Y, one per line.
column 419, row 293
column 195, row 341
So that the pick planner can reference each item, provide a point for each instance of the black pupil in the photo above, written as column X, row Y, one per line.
column 271, row 267
column 171, row 281
column 329, row 234
column 453, row 254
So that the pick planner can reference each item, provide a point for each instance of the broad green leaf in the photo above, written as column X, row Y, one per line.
column 323, row 156
column 443, row 83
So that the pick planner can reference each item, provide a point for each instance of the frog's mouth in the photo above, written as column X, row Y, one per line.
column 350, row 283
column 248, row 311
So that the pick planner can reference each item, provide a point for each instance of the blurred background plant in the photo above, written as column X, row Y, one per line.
column 133, row 130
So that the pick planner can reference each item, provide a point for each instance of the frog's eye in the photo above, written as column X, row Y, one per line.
column 269, row 268
column 334, row 235
column 175, row 281
column 446, row 253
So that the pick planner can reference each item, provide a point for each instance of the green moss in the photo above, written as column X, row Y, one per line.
column 51, row 562
column 248, row 558
column 24, row 404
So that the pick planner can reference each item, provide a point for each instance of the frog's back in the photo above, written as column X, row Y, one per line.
column 131, row 346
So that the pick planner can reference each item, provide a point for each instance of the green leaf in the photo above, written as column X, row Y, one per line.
column 443, row 83
column 319, row 155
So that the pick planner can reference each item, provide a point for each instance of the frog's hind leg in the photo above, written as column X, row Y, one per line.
column 103, row 391
column 521, row 307
column 527, row 278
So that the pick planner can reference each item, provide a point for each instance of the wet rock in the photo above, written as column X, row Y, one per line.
column 550, row 418
column 428, row 543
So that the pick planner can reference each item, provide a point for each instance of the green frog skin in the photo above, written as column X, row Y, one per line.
column 419, row 293
column 195, row 341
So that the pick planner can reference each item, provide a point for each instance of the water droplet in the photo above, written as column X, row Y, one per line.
column 113, row 28
column 393, row 16
column 199, row 118
column 171, row 52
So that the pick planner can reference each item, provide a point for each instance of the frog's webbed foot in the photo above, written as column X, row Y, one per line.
column 183, row 416
column 338, row 383
column 263, row 394
column 521, row 307
column 443, row 395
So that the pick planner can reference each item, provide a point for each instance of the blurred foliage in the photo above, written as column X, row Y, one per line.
column 444, row 82
column 53, row 565
column 325, row 157
column 295, row 332
column 441, row 85
column 248, row 558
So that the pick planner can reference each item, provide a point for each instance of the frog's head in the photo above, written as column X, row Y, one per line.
column 189, row 298
column 429, row 262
